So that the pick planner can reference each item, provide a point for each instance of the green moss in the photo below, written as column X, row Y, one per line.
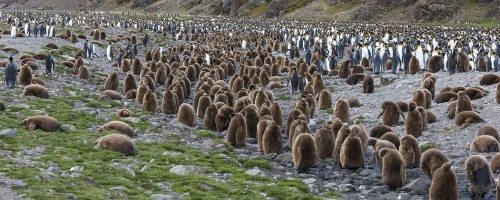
column 204, row 133
column 428, row 145
column 332, row 195
column 284, row 97
column 260, row 10
column 261, row 163
column 330, row 111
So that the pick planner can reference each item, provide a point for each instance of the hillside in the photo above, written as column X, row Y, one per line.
column 449, row 11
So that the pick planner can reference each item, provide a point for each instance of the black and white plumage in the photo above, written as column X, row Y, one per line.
column 11, row 73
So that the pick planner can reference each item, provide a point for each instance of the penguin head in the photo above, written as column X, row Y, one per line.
column 11, row 59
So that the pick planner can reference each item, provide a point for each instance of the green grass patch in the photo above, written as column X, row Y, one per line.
column 428, row 145
column 330, row 111
column 204, row 133
column 261, row 163
column 260, row 10
column 292, row 5
column 284, row 97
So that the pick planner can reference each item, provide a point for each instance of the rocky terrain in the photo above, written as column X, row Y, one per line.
column 422, row 11
column 176, row 161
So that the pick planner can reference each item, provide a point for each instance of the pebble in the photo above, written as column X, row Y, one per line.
column 118, row 188
column 8, row 132
column 255, row 172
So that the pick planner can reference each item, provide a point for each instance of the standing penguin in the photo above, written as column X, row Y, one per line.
column 11, row 73
column 452, row 62
column 308, row 56
column 49, row 64
column 109, row 53
column 294, row 80
column 13, row 31
column 86, row 50
column 377, row 62
column 395, row 60
column 35, row 30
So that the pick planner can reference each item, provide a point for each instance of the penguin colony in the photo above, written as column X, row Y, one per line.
column 231, row 88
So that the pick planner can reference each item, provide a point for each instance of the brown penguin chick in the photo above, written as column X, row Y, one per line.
column 463, row 103
column 76, row 67
column 431, row 160
column 299, row 126
column 354, row 102
column 203, row 103
column 252, row 119
column 351, row 152
column 271, row 140
column 481, row 88
column 431, row 117
column 123, row 113
column 463, row 64
column 111, row 82
column 391, row 137
column 481, row 65
column 112, row 95
column 390, row 113
column 25, row 75
column 377, row 146
column 497, row 93
column 414, row 65
column 83, row 73
column 474, row 93
column 356, row 69
column 445, row 89
column 149, row 82
column 141, row 91
column 292, row 116
column 344, row 69
column 36, row 90
column 325, row 99
column 402, row 105
column 275, row 85
column 2, row 106
column 45, row 123
column 36, row 80
column 261, row 128
column 379, row 130
column 368, row 86
column 457, row 89
column 452, row 107
column 325, row 143
column 413, row 121
column 339, row 141
column 444, row 184
column 484, row 144
column 354, row 79
column 125, row 65
column 276, row 113
column 129, row 83
column 464, row 118
column 342, row 110
column 169, row 104
column 237, row 131
column 119, row 126
column 428, row 98
column 495, row 163
column 318, row 84
column 434, row 64
column 264, row 110
column 361, row 133
column 418, row 97
column 304, row 152
column 410, row 150
column 117, row 142
column 423, row 113
column 311, row 102
column 209, row 118
column 488, row 130
column 393, row 168
column 186, row 114
column 429, row 84
column 223, row 117
column 446, row 97
column 302, row 105
column 149, row 102
column 260, row 98
column 489, row 79
column 478, row 171
column 131, row 94
column 136, row 66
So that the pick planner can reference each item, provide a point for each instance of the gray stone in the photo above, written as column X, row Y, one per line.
column 132, row 119
column 332, row 186
column 8, row 132
column 255, row 172
column 77, row 169
column 131, row 172
column 346, row 188
column 366, row 172
column 172, row 153
column 185, row 169
column 389, row 196
column 71, row 196
column 161, row 196
column 309, row 181
column 118, row 188
column 284, row 158
column 251, row 141
column 417, row 186
column 75, row 175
